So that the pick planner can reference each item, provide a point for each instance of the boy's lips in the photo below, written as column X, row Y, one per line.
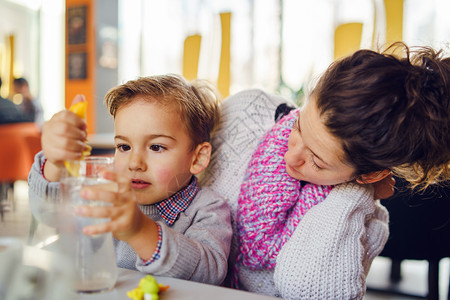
column 139, row 184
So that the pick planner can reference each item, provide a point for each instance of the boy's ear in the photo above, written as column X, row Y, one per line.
column 373, row 176
column 202, row 157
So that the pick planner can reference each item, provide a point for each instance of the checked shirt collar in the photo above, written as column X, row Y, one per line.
column 170, row 208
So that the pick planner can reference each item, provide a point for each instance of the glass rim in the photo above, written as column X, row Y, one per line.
column 97, row 158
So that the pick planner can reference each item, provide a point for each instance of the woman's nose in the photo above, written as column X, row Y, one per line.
column 297, row 159
column 296, row 152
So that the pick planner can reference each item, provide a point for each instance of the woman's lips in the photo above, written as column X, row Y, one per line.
column 139, row 184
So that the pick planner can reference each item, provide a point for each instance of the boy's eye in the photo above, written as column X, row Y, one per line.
column 157, row 148
column 123, row 147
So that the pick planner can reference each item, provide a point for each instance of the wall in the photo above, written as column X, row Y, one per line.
column 80, row 55
column 91, row 57
column 106, row 63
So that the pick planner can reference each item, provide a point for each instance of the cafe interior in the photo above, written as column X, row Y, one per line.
column 68, row 47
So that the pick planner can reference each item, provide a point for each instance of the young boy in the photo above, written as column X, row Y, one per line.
column 162, row 221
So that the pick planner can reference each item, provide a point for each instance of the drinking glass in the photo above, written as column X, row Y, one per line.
column 94, row 256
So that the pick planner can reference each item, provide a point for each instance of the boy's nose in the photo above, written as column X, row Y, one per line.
column 137, row 162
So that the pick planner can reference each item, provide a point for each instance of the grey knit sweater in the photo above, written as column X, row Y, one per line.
column 330, row 253
column 195, row 247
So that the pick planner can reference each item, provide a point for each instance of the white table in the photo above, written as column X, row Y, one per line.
column 179, row 289
column 20, row 264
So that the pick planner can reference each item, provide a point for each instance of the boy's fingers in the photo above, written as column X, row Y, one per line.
column 62, row 136
column 94, row 211
column 102, row 228
column 57, row 155
column 65, row 122
column 123, row 182
column 100, row 192
column 68, row 117
column 67, row 142
column 58, row 148
column 97, row 229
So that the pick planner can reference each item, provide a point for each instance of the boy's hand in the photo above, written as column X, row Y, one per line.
column 127, row 222
column 124, row 213
column 63, row 139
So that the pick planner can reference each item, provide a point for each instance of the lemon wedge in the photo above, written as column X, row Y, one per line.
column 79, row 109
column 73, row 168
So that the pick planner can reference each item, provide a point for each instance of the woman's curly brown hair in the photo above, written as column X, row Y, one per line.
column 391, row 112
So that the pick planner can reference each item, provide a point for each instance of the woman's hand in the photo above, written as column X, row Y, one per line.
column 384, row 188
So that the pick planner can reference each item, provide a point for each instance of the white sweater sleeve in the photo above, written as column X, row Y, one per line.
column 330, row 252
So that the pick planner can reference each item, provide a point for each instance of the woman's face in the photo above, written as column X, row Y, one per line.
column 314, row 154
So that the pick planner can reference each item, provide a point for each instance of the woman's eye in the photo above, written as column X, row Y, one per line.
column 123, row 147
column 314, row 165
column 297, row 126
column 157, row 148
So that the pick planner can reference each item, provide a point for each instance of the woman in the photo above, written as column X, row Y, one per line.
column 369, row 115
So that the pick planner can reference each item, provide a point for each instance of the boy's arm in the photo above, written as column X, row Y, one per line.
column 330, row 252
column 42, row 193
column 145, row 242
column 197, row 246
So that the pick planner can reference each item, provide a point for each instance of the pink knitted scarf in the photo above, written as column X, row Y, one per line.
column 272, row 203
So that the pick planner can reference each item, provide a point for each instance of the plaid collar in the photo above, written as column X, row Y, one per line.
column 170, row 208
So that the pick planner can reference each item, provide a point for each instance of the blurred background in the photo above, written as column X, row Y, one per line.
column 65, row 47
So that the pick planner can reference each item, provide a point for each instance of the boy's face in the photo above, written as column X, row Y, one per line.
column 153, row 148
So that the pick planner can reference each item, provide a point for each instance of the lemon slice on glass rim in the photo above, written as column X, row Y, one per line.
column 74, row 167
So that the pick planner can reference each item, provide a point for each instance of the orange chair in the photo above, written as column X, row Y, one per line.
column 19, row 143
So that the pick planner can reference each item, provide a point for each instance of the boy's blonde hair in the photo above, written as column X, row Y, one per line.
column 197, row 102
